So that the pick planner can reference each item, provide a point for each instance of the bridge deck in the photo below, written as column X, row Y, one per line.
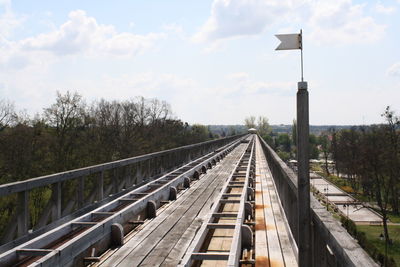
column 164, row 240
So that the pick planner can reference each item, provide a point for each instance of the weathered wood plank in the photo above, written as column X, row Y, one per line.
column 274, row 247
column 283, row 235
column 286, row 247
column 261, row 244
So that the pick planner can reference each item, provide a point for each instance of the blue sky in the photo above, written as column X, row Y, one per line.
column 213, row 61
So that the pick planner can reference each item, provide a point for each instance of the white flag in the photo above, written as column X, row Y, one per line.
column 289, row 41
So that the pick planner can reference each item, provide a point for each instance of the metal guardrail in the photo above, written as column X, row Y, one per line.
column 331, row 244
column 242, row 236
column 106, row 180
column 66, row 244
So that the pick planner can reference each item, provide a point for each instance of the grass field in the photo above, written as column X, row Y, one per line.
column 373, row 233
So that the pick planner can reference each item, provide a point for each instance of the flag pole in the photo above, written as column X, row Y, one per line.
column 303, row 229
column 301, row 49
column 303, row 171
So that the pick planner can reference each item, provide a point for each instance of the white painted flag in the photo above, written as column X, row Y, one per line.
column 289, row 41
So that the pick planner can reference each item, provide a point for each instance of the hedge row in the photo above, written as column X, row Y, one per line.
column 370, row 248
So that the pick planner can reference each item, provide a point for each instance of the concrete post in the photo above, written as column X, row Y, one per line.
column 23, row 213
column 56, row 198
column 115, row 181
column 100, row 186
column 81, row 191
column 304, row 216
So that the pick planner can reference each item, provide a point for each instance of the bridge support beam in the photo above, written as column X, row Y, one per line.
column 304, row 212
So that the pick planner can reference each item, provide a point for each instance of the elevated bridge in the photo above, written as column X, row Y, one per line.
column 227, row 202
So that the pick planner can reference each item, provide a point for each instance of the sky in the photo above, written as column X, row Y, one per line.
column 214, row 61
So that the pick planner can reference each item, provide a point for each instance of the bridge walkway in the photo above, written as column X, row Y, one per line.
column 163, row 240
column 273, row 242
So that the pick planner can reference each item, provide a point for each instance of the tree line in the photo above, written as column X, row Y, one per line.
column 369, row 157
column 283, row 143
column 71, row 133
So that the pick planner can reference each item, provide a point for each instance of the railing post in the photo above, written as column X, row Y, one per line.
column 115, row 181
column 100, row 187
column 23, row 213
column 304, row 213
column 139, row 173
column 128, row 176
column 56, row 205
column 81, row 190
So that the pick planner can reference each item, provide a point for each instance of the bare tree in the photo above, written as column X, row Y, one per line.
column 7, row 113
column 142, row 111
column 250, row 122
column 158, row 110
column 66, row 115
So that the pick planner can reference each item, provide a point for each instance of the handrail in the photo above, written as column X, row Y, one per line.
column 15, row 187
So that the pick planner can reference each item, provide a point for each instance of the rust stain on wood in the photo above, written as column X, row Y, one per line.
column 262, row 261
column 260, row 224
column 260, row 207
column 276, row 263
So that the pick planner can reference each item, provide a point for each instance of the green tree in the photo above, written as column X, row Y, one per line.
column 285, row 142
column 313, row 149
column 325, row 145
column 263, row 127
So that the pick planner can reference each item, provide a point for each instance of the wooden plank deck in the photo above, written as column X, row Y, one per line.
column 164, row 240
column 272, row 238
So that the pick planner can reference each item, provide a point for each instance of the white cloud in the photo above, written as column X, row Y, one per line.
column 238, row 76
column 82, row 34
column 175, row 29
column 234, row 18
column 243, row 84
column 342, row 22
column 394, row 70
column 327, row 21
column 8, row 20
column 380, row 8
